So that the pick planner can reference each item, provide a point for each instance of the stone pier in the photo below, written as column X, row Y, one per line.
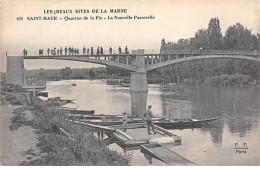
column 139, row 88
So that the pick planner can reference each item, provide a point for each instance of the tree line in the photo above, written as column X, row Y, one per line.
column 218, row 71
column 237, row 37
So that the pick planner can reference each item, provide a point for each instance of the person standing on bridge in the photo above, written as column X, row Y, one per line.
column 126, row 50
column 84, row 50
column 69, row 50
column 88, row 51
column 124, row 118
column 58, row 51
column 24, row 52
column 119, row 50
column 92, row 51
column 101, row 50
column 66, row 50
column 48, row 51
column 148, row 116
column 110, row 50
column 98, row 52
column 61, row 50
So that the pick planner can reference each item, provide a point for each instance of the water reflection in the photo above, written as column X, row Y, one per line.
column 138, row 103
column 238, row 109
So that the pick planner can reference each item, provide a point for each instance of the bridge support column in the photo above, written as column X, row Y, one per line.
column 139, row 88
column 138, row 81
column 15, row 70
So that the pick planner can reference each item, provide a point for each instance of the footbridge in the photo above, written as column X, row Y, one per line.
column 139, row 64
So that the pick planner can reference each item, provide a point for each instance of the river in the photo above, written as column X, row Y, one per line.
column 237, row 107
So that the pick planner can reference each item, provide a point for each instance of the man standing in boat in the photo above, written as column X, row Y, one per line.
column 124, row 118
column 148, row 116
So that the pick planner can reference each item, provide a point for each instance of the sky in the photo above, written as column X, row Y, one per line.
column 173, row 20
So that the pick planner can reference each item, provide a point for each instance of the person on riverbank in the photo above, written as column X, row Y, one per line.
column 148, row 116
column 124, row 118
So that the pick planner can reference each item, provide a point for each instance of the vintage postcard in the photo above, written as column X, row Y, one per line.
column 130, row 82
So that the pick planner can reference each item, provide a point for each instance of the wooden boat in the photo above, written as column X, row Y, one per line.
column 104, row 121
column 102, row 116
column 183, row 123
column 68, row 108
column 74, row 84
column 82, row 112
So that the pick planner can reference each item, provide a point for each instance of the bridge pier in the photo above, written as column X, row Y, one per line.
column 15, row 70
column 139, row 88
column 138, row 81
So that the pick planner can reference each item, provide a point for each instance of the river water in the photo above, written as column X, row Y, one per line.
column 237, row 107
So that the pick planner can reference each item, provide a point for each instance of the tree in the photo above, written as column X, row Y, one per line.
column 92, row 73
column 163, row 46
column 65, row 73
column 214, row 33
column 201, row 39
column 238, row 37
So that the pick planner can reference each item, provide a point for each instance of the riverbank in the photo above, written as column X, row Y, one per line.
column 17, row 146
column 56, row 148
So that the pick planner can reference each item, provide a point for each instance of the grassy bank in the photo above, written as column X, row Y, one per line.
column 56, row 147
column 228, row 80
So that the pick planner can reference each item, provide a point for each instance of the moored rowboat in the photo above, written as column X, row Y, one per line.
column 183, row 123
column 108, row 121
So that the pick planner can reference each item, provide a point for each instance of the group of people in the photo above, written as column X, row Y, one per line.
column 148, row 117
column 24, row 52
column 75, row 51
column 67, row 51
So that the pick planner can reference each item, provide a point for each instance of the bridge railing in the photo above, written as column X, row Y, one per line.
column 211, row 51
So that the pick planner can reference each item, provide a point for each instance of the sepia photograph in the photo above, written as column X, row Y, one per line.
column 129, row 83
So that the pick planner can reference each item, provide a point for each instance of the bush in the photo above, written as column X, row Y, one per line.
column 228, row 80
column 84, row 149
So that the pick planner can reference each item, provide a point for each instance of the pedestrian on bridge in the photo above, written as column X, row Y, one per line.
column 58, row 51
column 98, row 52
column 88, row 51
column 69, row 50
column 66, row 50
column 92, row 51
column 48, row 51
column 84, row 50
column 24, row 52
column 148, row 116
column 101, row 51
column 126, row 50
column 61, row 50
column 40, row 52
column 54, row 51
column 119, row 50
column 110, row 50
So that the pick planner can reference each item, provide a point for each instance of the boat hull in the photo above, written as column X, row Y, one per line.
column 184, row 123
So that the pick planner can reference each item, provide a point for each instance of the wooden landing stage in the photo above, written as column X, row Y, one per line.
column 136, row 135
column 164, row 154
